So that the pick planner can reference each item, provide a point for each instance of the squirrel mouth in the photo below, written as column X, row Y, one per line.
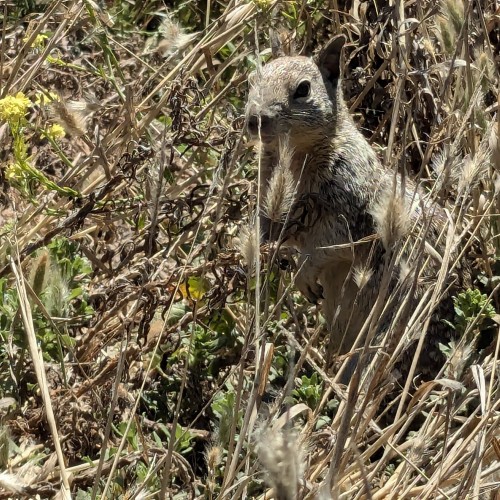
column 261, row 127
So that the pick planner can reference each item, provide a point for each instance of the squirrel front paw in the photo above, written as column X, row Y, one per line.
column 310, row 288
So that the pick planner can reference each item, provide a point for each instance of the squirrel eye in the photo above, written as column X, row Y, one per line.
column 302, row 90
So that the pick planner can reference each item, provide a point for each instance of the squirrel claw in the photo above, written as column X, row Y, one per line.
column 314, row 293
column 311, row 290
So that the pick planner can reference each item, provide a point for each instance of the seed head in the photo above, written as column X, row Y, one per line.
column 362, row 276
column 11, row 483
column 392, row 218
column 171, row 38
column 474, row 168
column 247, row 245
column 72, row 116
column 282, row 458
column 281, row 192
column 213, row 455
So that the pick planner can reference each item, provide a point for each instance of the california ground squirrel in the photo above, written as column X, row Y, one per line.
column 342, row 194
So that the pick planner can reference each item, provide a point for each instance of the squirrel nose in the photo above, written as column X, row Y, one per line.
column 264, row 122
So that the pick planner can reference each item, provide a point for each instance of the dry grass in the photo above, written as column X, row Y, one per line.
column 149, row 348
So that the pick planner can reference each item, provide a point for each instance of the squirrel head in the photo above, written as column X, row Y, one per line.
column 298, row 98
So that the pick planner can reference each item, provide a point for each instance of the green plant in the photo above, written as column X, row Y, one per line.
column 57, row 278
column 223, row 408
column 309, row 390
column 471, row 308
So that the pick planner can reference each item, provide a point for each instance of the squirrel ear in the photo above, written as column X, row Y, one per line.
column 328, row 59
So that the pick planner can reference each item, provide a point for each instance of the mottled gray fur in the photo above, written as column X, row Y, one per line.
column 340, row 185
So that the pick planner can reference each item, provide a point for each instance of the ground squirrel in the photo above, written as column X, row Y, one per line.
column 342, row 193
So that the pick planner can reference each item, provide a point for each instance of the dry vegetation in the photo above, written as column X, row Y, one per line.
column 148, row 348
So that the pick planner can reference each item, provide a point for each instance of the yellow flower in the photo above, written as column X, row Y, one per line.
column 43, row 99
column 38, row 42
column 56, row 61
column 55, row 131
column 13, row 172
column 14, row 108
